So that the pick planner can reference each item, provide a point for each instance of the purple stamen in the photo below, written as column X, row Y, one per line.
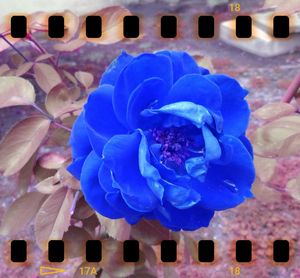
column 174, row 144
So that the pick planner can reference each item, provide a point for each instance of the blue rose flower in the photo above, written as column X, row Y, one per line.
column 162, row 138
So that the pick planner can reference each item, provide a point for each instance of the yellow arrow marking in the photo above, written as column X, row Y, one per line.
column 51, row 270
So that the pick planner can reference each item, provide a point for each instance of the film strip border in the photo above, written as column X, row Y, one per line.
column 244, row 252
column 168, row 26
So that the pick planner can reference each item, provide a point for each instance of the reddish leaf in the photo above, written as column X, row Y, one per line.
column 69, row 46
column 154, row 231
column 75, row 239
column 82, row 210
column 118, row 229
column 112, row 18
column 61, row 100
column 4, row 68
column 49, row 185
column 85, row 78
column 15, row 91
column 51, row 160
column 21, row 143
column 21, row 212
column 272, row 111
column 24, row 68
column 265, row 168
column 53, row 219
column 26, row 174
column 293, row 188
column 46, row 76
column 43, row 57
column 264, row 193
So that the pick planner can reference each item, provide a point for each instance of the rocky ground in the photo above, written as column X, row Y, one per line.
column 266, row 80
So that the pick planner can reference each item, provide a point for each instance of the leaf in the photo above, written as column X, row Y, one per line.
column 282, row 5
column 46, row 76
column 71, row 22
column 66, row 179
column 70, row 77
column 25, row 175
column 118, row 229
column 113, row 262
column 21, row 212
column 61, row 100
column 264, row 193
column 51, row 160
column 192, row 246
column 39, row 22
column 43, row 57
column 150, row 256
column 204, row 62
column 154, row 231
column 267, row 140
column 69, row 46
column 82, row 210
column 265, row 168
column 291, row 146
column 74, row 240
column 91, row 223
column 24, row 68
column 112, row 25
column 53, row 218
column 42, row 173
column 21, row 143
column 272, row 111
column 48, row 185
column 85, row 78
column 4, row 68
column 15, row 91
column 293, row 188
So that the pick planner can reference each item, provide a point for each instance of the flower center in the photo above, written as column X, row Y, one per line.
column 174, row 144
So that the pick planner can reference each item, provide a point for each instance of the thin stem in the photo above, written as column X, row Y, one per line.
column 42, row 111
column 40, row 47
column 13, row 47
column 62, row 126
column 292, row 89
column 50, row 117
column 76, row 197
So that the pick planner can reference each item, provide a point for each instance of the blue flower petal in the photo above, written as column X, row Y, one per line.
column 92, row 190
column 121, row 155
column 139, row 69
column 235, row 109
column 76, row 166
column 247, row 144
column 105, row 178
column 196, row 167
column 226, row 186
column 115, row 199
column 99, row 113
column 195, row 113
column 180, row 197
column 186, row 219
column 79, row 139
column 203, row 71
column 147, row 170
column 182, row 63
column 150, row 91
column 212, row 146
column 197, row 89
column 113, row 71
column 101, row 122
